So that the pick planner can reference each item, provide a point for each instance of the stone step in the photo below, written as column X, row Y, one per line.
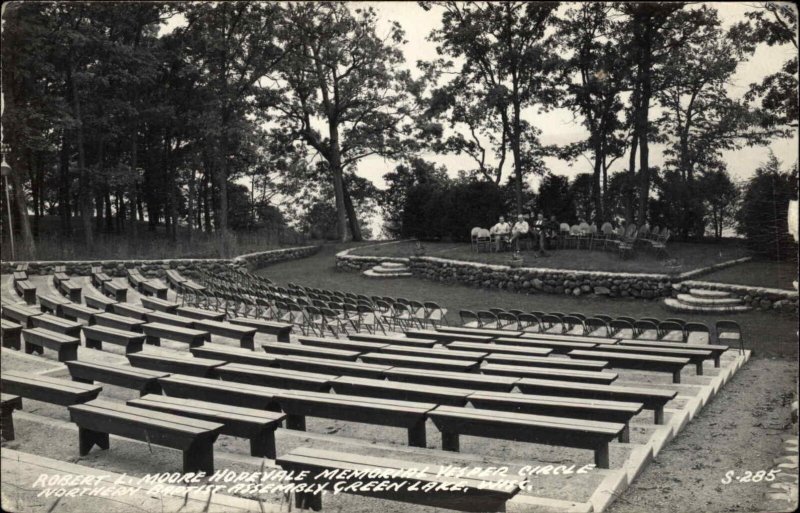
column 393, row 265
column 383, row 270
column 370, row 273
column 690, row 299
column 709, row 293
column 676, row 306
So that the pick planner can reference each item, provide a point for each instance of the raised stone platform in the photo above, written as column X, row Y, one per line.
column 388, row 270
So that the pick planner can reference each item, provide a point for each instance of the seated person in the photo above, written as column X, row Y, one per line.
column 520, row 230
column 539, row 229
column 500, row 232
column 551, row 228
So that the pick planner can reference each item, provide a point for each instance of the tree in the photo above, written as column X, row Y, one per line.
column 554, row 198
column 392, row 200
column 721, row 200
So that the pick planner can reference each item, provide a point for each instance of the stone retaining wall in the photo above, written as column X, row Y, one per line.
column 345, row 261
column 760, row 298
column 157, row 268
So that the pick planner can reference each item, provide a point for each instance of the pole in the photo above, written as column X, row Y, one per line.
column 10, row 224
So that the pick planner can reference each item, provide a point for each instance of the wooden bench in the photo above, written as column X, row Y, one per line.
column 716, row 350
column 568, row 338
column 651, row 398
column 499, row 348
column 539, row 361
column 472, row 495
column 419, row 362
column 555, row 346
column 57, row 324
column 171, row 319
column 523, row 371
column 451, row 379
column 135, row 278
column 350, row 385
column 224, row 392
column 36, row 339
column 193, row 286
column 159, row 305
column 200, row 367
column 23, row 267
column 445, row 338
column 20, row 314
column 60, row 269
column 46, row 389
column 233, row 354
column 246, row 336
column 636, row 361
column 201, row 314
column 276, row 378
column 571, row 407
column 695, row 356
column 129, row 310
column 338, row 343
column 10, row 332
column 447, row 354
column 174, row 279
column 280, row 330
column 98, row 419
column 70, row 289
column 26, row 290
column 256, row 425
column 58, row 277
column 95, row 336
column 155, row 331
column 145, row 381
column 494, row 333
column 384, row 412
column 77, row 311
column 327, row 366
column 19, row 276
column 393, row 339
column 99, row 302
column 51, row 304
column 313, row 352
column 119, row 322
column 8, row 403
column 99, row 278
column 153, row 287
column 455, row 421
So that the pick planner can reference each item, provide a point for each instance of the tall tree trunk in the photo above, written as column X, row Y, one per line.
column 84, row 189
column 109, row 216
column 190, row 206
column 36, row 191
column 596, row 192
column 64, row 182
column 645, row 75
column 631, row 181
column 338, row 183
column 517, row 151
column 355, row 228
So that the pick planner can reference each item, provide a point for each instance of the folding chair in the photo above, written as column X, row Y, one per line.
column 419, row 313
column 578, row 315
column 606, row 318
column 594, row 324
column 437, row 316
column 697, row 333
column 570, row 322
column 369, row 318
column 666, row 329
column 643, row 329
column 527, row 321
column 487, row 319
column 729, row 331
column 507, row 320
column 497, row 311
column 469, row 319
column 619, row 326
column 549, row 321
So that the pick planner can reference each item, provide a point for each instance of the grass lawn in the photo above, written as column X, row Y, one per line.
column 689, row 255
column 759, row 273
column 765, row 333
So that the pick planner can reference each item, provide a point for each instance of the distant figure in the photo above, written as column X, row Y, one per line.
column 583, row 225
column 500, row 231
column 520, row 230
column 539, row 232
column 551, row 230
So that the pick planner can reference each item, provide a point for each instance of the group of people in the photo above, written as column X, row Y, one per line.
column 539, row 232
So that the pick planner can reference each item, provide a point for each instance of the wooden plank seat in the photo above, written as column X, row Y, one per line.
column 102, row 303
column 651, row 398
column 280, row 330
column 143, row 380
column 393, row 339
column 556, row 346
column 155, row 331
column 716, row 350
column 154, row 287
column 546, row 361
column 454, row 421
column 451, row 379
column 98, row 419
column 26, row 290
column 159, row 305
column 297, row 405
column 193, row 286
column 119, row 322
column 99, row 278
column 10, row 332
column 19, row 276
column 200, row 313
column 338, row 343
column 8, row 403
column 46, row 389
column 135, row 278
column 115, row 290
column 256, row 425
column 313, row 352
column 57, row 324
column 129, row 310
column 274, row 377
column 21, row 314
column 443, row 337
column 350, row 385
column 71, row 289
column 420, row 362
column 233, row 354
column 201, row 367
column 328, row 366
column 636, row 361
column 246, row 336
column 77, row 311
column 94, row 337
column 571, row 407
column 568, row 338
column 36, row 339
column 499, row 348
column 494, row 333
column 695, row 356
column 224, row 392
column 174, row 279
column 451, row 354
column 60, row 269
column 23, row 267
column 473, row 495
column 51, row 304
column 58, row 277
column 171, row 319
column 524, row 371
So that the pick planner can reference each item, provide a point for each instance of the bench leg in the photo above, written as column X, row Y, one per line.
column 75, row 296
column 699, row 368
column 88, row 438
column 152, row 387
column 11, row 342
column 283, row 336
column 7, row 425
column 716, row 361
column 450, row 442
column 625, row 434
column 82, row 380
column 297, row 422
column 601, row 456
column 153, row 341
column 416, row 435
column 263, row 444
column 659, row 415
column 133, row 347
column 304, row 500
column 94, row 344
column 248, row 343
column 66, row 354
column 676, row 376
column 31, row 348
column 199, row 457
column 199, row 341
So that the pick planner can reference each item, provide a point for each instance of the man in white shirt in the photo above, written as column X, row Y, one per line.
column 518, row 231
column 500, row 232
